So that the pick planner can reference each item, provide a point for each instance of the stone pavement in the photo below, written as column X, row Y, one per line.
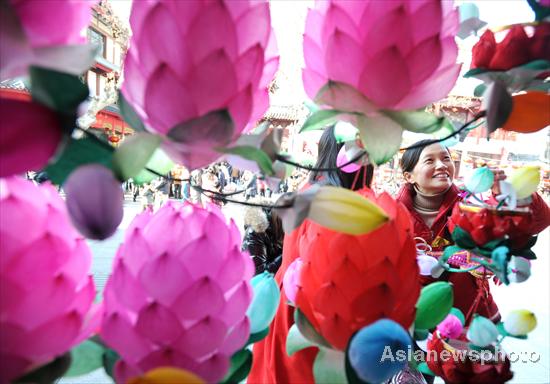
column 533, row 294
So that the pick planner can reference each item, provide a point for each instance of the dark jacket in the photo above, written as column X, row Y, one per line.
column 266, row 247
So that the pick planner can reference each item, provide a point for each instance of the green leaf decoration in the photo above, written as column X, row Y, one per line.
column 49, row 372
column 502, row 331
column 255, row 337
column 321, row 119
column 307, row 330
column 86, row 357
column 252, row 153
column 490, row 245
column 481, row 180
column 381, row 137
column 463, row 238
column 329, row 367
column 133, row 154
column 295, row 341
column 423, row 368
column 416, row 121
column 458, row 313
column 479, row 90
column 78, row 152
column 433, row 305
column 344, row 131
column 241, row 362
column 446, row 129
column 110, row 358
column 129, row 114
column 216, row 126
column 421, row 334
column 159, row 162
column 345, row 98
column 475, row 72
column 516, row 79
column 59, row 91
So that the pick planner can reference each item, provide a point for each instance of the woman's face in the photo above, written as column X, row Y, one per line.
column 434, row 171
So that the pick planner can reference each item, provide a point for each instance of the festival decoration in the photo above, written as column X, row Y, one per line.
column 450, row 327
column 525, row 181
column 46, row 290
column 94, row 201
column 433, row 305
column 348, row 281
column 345, row 211
column 495, row 367
column 376, row 351
column 31, row 32
column 520, row 322
column 357, row 44
column 196, row 319
column 31, row 134
column 482, row 331
column 291, row 280
column 201, row 96
column 530, row 112
column 265, row 302
column 167, row 375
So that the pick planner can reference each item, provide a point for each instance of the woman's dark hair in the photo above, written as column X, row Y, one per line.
column 411, row 156
column 326, row 158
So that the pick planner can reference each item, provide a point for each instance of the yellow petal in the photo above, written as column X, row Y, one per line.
column 345, row 211
column 520, row 322
column 167, row 375
column 525, row 180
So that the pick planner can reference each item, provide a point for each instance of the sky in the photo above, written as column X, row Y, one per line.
column 288, row 20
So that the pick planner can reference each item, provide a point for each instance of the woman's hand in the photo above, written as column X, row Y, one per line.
column 499, row 176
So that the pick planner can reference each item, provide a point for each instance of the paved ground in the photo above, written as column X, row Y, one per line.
column 533, row 294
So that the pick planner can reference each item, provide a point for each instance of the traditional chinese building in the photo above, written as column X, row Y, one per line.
column 111, row 36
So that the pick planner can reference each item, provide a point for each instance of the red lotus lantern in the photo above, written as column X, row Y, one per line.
column 348, row 281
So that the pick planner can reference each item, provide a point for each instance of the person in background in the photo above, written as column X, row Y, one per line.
column 263, row 237
column 271, row 363
column 176, row 174
column 430, row 196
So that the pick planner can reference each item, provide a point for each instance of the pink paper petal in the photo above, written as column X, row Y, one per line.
column 200, row 253
column 343, row 159
column 337, row 21
column 139, row 249
column 424, row 59
column 240, row 109
column 30, row 136
column 237, row 303
column 313, row 55
column 213, row 82
column 158, row 324
column 49, row 298
column 347, row 68
column 250, row 65
column 124, row 372
column 210, row 24
column 164, row 84
column 426, row 21
column 385, row 79
column 253, row 27
column 167, row 357
column 120, row 335
column 229, row 277
column 203, row 338
column 213, row 369
column 436, row 89
column 236, row 339
column 203, row 298
column 313, row 82
column 174, row 276
column 126, row 287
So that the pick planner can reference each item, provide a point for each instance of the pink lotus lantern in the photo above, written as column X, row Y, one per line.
column 32, row 33
column 46, row 292
column 198, row 72
column 398, row 54
column 178, row 294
